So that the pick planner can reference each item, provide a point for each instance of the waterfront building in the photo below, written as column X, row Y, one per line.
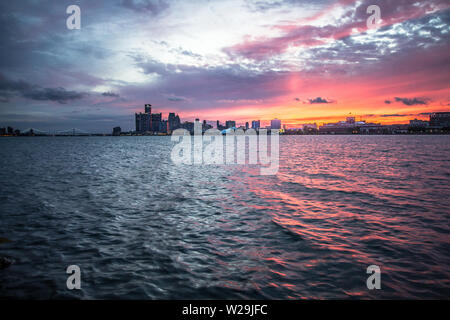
column 155, row 122
column 256, row 124
column 440, row 120
column 309, row 126
column 418, row 123
column 116, row 131
column 230, row 124
column 173, row 122
column 350, row 126
column 152, row 123
column 219, row 126
column 189, row 126
column 275, row 124
column 163, row 126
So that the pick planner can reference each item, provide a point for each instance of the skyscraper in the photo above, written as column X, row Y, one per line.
column 173, row 121
column 155, row 122
column 142, row 122
column 143, row 119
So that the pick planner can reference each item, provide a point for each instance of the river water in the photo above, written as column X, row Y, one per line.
column 140, row 227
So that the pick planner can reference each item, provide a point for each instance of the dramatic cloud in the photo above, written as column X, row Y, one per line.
column 10, row 88
column 333, row 23
column 60, row 95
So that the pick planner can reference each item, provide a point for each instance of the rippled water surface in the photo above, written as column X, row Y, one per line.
column 140, row 227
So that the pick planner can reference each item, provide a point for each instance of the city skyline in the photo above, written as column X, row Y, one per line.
column 301, row 62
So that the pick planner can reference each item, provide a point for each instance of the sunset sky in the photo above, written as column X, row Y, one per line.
column 299, row 61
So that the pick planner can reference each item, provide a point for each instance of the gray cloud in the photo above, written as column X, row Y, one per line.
column 11, row 88
column 411, row 101
column 319, row 100
column 59, row 95
column 110, row 94
column 394, row 115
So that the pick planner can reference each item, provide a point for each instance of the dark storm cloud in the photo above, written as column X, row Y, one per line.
column 59, row 95
column 10, row 88
column 411, row 101
column 319, row 100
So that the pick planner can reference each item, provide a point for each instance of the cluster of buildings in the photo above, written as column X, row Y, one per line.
column 351, row 126
column 153, row 123
column 439, row 123
column 9, row 131
column 148, row 123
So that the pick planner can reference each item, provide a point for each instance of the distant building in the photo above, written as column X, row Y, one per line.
column 189, row 126
column 440, row 120
column 219, row 126
column 206, row 126
column 143, row 119
column 246, row 126
column 116, row 131
column 275, row 124
column 10, row 131
column 350, row 126
column 230, row 124
column 350, row 120
column 2, row 131
column 152, row 123
column 163, row 126
column 418, row 123
column 155, row 122
column 309, row 126
column 256, row 124
column 173, row 122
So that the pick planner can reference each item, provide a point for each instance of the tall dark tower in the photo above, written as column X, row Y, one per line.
column 148, row 108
